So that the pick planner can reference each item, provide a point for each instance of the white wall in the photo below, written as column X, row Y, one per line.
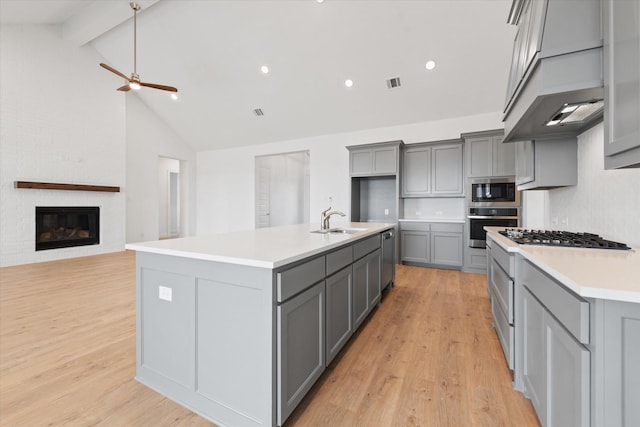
column 148, row 139
column 606, row 202
column 60, row 122
column 225, row 178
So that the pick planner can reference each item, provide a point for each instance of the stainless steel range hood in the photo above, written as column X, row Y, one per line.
column 556, row 69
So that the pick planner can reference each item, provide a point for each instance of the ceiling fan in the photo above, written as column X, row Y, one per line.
column 134, row 82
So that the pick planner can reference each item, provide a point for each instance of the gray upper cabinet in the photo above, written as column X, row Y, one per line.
column 374, row 159
column 621, row 21
column 487, row 156
column 433, row 170
column 547, row 163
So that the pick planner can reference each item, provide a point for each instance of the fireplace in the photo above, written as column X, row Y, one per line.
column 63, row 227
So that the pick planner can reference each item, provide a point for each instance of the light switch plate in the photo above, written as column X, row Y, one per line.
column 165, row 293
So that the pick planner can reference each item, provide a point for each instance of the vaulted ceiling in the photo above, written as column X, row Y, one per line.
column 213, row 50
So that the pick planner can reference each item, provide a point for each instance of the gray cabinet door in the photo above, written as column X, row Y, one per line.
column 339, row 311
column 301, row 347
column 385, row 160
column 534, row 353
column 620, row 352
column 621, row 83
column 446, row 248
column 504, row 158
column 360, row 162
column 415, row 246
column 360, row 289
column 446, row 170
column 568, row 376
column 416, row 172
column 373, row 278
column 479, row 156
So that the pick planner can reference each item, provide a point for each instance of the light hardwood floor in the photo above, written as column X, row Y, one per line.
column 428, row 355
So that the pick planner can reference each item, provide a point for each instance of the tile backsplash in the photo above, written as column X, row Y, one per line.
column 606, row 202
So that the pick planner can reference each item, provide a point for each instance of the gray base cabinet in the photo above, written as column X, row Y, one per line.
column 366, row 286
column 616, row 371
column 432, row 244
column 339, row 311
column 556, row 364
column 500, row 284
column 242, row 345
column 301, row 352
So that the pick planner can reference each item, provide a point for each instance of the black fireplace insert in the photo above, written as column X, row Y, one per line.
column 63, row 227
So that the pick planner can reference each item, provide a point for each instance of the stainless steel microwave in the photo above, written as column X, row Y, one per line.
column 493, row 192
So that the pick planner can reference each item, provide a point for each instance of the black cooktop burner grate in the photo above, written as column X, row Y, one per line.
column 561, row 239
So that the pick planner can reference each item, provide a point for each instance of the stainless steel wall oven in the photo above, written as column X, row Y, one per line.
column 480, row 217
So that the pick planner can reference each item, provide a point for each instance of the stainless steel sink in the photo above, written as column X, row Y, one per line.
column 340, row 231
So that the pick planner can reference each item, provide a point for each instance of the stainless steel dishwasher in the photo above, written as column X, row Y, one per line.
column 388, row 258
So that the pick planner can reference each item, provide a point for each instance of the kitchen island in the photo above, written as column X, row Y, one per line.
column 237, row 327
column 568, row 320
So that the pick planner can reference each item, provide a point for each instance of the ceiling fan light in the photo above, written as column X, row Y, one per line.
column 134, row 85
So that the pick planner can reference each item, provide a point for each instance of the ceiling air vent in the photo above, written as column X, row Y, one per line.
column 258, row 112
column 393, row 83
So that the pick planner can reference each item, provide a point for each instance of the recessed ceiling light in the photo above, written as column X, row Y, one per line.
column 320, row 1
column 264, row 69
column 348, row 83
column 174, row 96
column 430, row 65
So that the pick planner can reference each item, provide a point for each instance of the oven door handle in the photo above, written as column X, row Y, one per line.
column 491, row 217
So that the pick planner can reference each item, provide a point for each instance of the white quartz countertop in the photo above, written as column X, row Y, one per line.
column 591, row 273
column 264, row 247
column 436, row 219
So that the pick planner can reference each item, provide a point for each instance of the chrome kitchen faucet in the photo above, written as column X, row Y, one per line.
column 325, row 216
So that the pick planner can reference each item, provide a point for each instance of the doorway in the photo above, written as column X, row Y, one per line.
column 168, row 197
column 282, row 189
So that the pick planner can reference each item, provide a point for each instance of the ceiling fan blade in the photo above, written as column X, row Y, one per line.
column 125, row 88
column 114, row 71
column 161, row 87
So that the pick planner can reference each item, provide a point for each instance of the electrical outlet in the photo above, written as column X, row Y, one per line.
column 165, row 293
column 565, row 220
column 386, row 211
column 418, row 213
column 439, row 213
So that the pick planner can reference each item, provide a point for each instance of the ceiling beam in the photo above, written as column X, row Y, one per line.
column 98, row 17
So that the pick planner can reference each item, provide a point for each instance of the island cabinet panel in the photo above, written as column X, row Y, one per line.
column 168, row 325
column 301, row 347
column 208, row 341
column 339, row 288
column 214, row 378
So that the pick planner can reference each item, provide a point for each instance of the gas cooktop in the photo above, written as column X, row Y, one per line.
column 561, row 238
